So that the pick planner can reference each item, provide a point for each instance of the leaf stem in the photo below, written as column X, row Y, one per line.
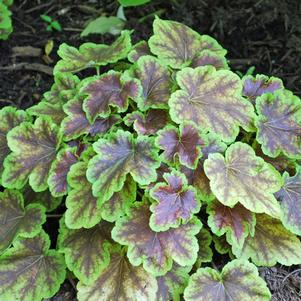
column 54, row 215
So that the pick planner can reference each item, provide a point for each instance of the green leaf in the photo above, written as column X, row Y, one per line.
column 205, row 253
column 6, row 27
column 238, row 281
column 243, row 177
column 118, row 155
column 86, row 250
column 120, row 281
column 127, row 3
column 34, row 148
column 212, row 100
column 17, row 220
column 271, row 243
column 138, row 50
column 30, row 271
column 221, row 245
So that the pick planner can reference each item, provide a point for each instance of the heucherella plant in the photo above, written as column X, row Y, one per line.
column 6, row 27
column 157, row 160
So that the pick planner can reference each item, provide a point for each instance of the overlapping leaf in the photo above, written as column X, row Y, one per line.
column 92, row 55
column 34, row 148
column 184, row 144
column 208, row 57
column 271, row 243
column 205, row 253
column 239, row 280
column 212, row 100
column 221, row 245
column 156, row 250
column 120, row 281
column 138, row 50
column 279, row 124
column 176, row 202
column 117, row 156
column 243, row 177
column 30, row 271
column 16, row 219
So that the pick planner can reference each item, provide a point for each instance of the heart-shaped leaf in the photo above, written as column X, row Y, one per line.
column 243, row 177
column 239, row 280
column 156, row 250
column 34, row 148
column 30, row 271
column 176, row 202
column 117, row 156
column 212, row 100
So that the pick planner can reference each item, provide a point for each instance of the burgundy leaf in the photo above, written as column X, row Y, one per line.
column 138, row 50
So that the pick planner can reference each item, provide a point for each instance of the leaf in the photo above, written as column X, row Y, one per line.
column 221, row 245
column 6, row 27
column 117, row 156
column 243, row 177
column 212, row 100
column 86, row 250
column 147, row 124
column 176, row 202
column 30, row 271
column 120, row 281
column 120, row 201
column 156, row 83
column 172, row 284
column 184, row 144
column 177, row 45
column 92, row 55
column 138, row 50
column 102, row 25
column 127, row 3
column 82, row 209
column 239, row 280
column 76, row 123
column 271, row 243
column 236, row 222
column 34, row 148
column 156, row 250
column 10, row 117
column 290, row 201
column 279, row 124
column 17, row 220
column 57, row 180
column 111, row 89
column 208, row 57
column 256, row 86
column 205, row 253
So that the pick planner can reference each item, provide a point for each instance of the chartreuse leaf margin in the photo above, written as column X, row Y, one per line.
column 129, row 181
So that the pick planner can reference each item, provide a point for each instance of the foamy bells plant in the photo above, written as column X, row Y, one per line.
column 157, row 164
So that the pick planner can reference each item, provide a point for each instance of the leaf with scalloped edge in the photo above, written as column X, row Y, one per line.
column 243, row 177
column 208, row 57
column 290, row 201
column 82, row 207
column 30, row 270
column 221, row 245
column 256, row 86
column 177, row 45
column 212, row 100
column 183, row 144
column 120, row 281
column 205, row 253
column 118, row 155
column 120, row 201
column 156, row 250
column 111, row 89
column 87, row 251
column 18, row 220
column 92, row 55
column 172, row 284
column 34, row 148
column 279, row 124
column 238, row 281
column 10, row 117
column 271, row 243
column 155, row 81
column 138, row 50
column 176, row 202
column 149, row 123
column 237, row 222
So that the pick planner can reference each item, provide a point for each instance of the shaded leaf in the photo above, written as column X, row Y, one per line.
column 212, row 100
column 205, row 253
column 156, row 250
column 138, row 50
column 30, row 271
column 34, row 148
column 208, row 57
column 221, row 245
column 243, row 177
column 127, row 3
column 239, row 280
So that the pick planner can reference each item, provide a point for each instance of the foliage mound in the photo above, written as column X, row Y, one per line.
column 159, row 162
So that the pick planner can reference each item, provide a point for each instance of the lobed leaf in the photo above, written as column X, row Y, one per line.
column 205, row 253
column 138, row 50
column 221, row 244
column 243, row 177
column 208, row 57
column 212, row 100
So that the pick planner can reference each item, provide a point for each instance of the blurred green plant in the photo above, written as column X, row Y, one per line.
column 52, row 23
column 6, row 27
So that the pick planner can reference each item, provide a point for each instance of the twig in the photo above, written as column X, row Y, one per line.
column 290, row 274
column 54, row 215
column 27, row 66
